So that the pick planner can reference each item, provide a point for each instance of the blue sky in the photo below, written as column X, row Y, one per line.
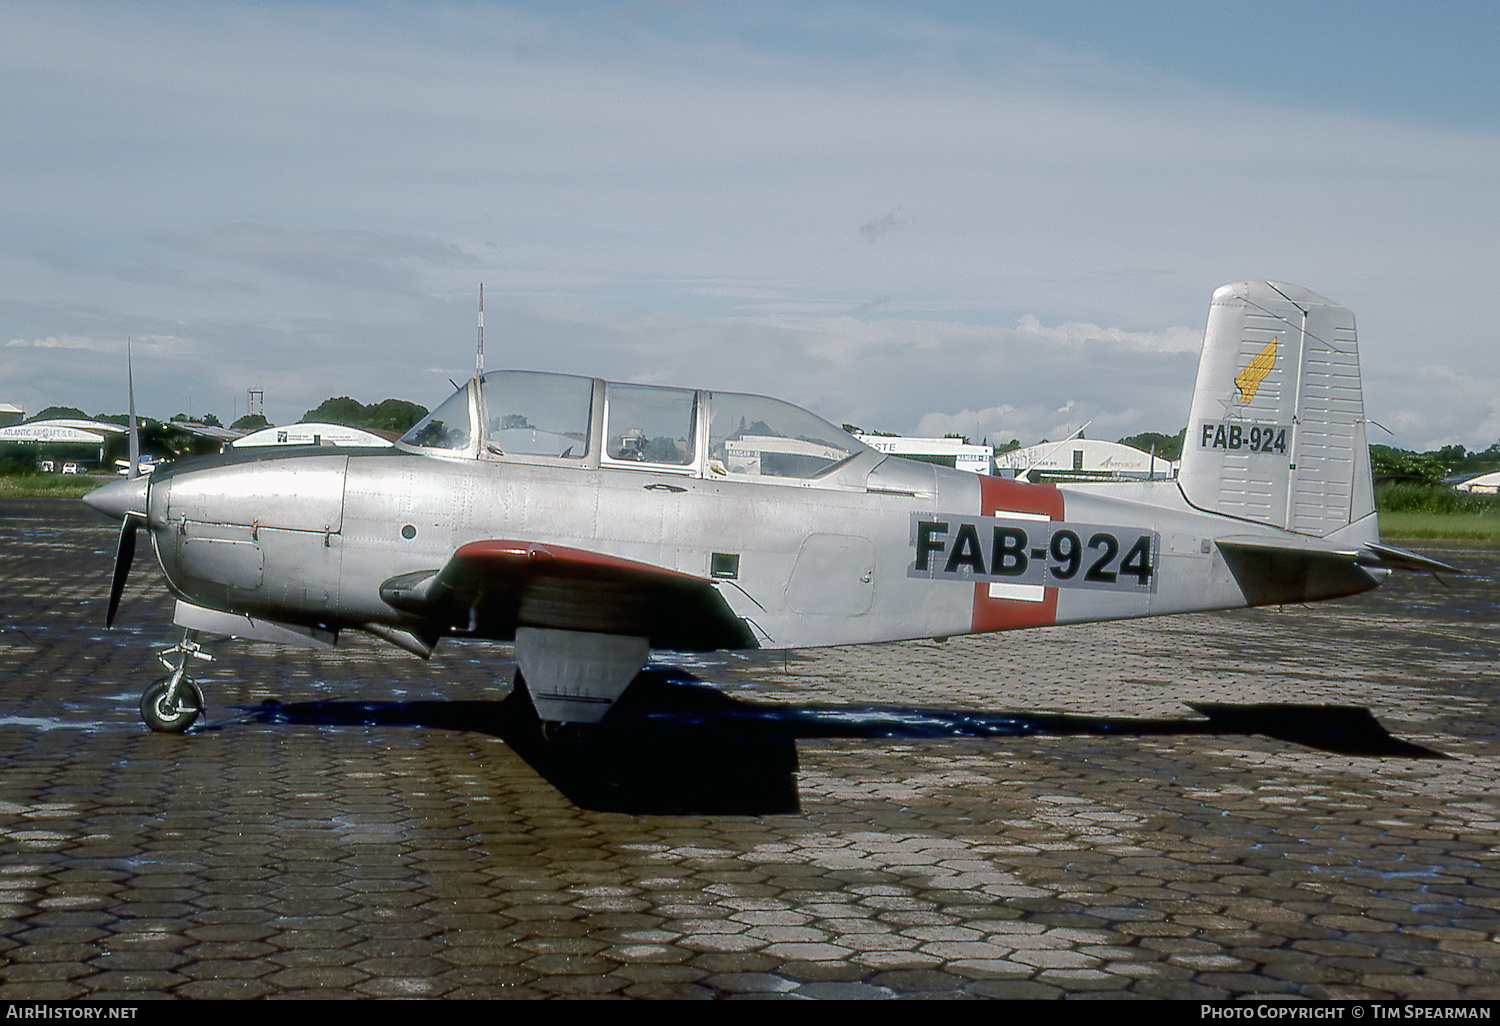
column 1000, row 219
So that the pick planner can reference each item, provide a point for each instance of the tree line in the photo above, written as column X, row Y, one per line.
column 387, row 415
column 397, row 416
column 1388, row 463
column 170, row 438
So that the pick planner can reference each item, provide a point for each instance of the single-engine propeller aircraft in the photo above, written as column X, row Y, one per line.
column 591, row 522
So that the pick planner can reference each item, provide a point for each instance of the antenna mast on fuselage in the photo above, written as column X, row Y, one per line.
column 479, row 355
column 135, row 436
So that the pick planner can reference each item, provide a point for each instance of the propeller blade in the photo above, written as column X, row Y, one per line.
column 124, row 555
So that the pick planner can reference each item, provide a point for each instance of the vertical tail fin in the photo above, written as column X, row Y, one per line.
column 1277, row 429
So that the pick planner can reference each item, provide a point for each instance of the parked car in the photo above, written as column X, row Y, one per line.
column 48, row 467
column 72, row 468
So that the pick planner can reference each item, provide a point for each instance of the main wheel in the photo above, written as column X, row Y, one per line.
column 168, row 717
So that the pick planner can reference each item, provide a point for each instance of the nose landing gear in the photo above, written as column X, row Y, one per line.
column 174, row 703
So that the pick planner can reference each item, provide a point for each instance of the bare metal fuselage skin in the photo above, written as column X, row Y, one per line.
column 882, row 549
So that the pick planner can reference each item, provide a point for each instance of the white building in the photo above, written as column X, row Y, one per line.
column 1484, row 484
column 1083, row 459
column 311, row 434
column 65, row 431
column 946, row 452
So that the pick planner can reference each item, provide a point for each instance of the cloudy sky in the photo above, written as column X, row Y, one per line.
column 1003, row 219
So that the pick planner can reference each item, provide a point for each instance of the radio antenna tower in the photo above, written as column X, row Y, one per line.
column 479, row 356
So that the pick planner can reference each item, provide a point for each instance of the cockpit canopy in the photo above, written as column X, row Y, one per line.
column 533, row 417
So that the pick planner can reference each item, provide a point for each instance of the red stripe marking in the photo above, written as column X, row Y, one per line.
column 562, row 557
column 998, row 496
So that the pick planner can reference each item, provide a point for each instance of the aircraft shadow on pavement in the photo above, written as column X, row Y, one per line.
column 674, row 746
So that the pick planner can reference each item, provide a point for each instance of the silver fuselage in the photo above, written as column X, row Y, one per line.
column 871, row 552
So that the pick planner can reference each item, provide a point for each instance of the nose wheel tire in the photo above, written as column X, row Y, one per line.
column 168, row 716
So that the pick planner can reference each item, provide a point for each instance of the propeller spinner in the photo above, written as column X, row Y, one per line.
column 124, row 500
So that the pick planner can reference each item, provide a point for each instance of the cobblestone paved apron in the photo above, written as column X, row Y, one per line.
column 355, row 822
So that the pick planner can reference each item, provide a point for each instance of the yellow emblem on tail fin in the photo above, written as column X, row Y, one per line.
column 1254, row 372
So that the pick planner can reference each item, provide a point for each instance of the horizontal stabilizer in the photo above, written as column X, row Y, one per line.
column 1371, row 554
column 1377, row 554
column 1286, row 543
column 1282, row 570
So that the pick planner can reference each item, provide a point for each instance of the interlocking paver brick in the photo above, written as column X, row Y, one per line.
column 284, row 853
column 229, row 969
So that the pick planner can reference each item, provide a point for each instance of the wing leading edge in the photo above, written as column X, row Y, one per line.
column 489, row 588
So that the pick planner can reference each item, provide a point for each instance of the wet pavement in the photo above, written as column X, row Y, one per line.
column 1298, row 803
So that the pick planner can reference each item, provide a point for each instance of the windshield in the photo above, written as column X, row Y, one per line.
column 446, row 427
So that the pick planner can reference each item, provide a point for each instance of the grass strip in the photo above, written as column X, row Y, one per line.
column 49, row 486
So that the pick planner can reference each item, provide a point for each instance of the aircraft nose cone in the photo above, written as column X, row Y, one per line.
column 120, row 497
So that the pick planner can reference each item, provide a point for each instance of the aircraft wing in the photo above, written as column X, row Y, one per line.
column 489, row 588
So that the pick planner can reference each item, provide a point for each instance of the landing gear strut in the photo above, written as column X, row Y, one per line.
column 174, row 703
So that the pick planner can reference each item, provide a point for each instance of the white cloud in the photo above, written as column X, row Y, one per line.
column 377, row 261
column 660, row 199
column 896, row 374
column 66, row 342
column 992, row 422
column 1030, row 424
column 1180, row 339
column 1442, row 406
column 147, row 346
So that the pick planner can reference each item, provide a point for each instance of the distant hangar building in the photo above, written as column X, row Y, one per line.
column 945, row 452
column 65, row 438
column 312, row 434
column 1084, row 459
